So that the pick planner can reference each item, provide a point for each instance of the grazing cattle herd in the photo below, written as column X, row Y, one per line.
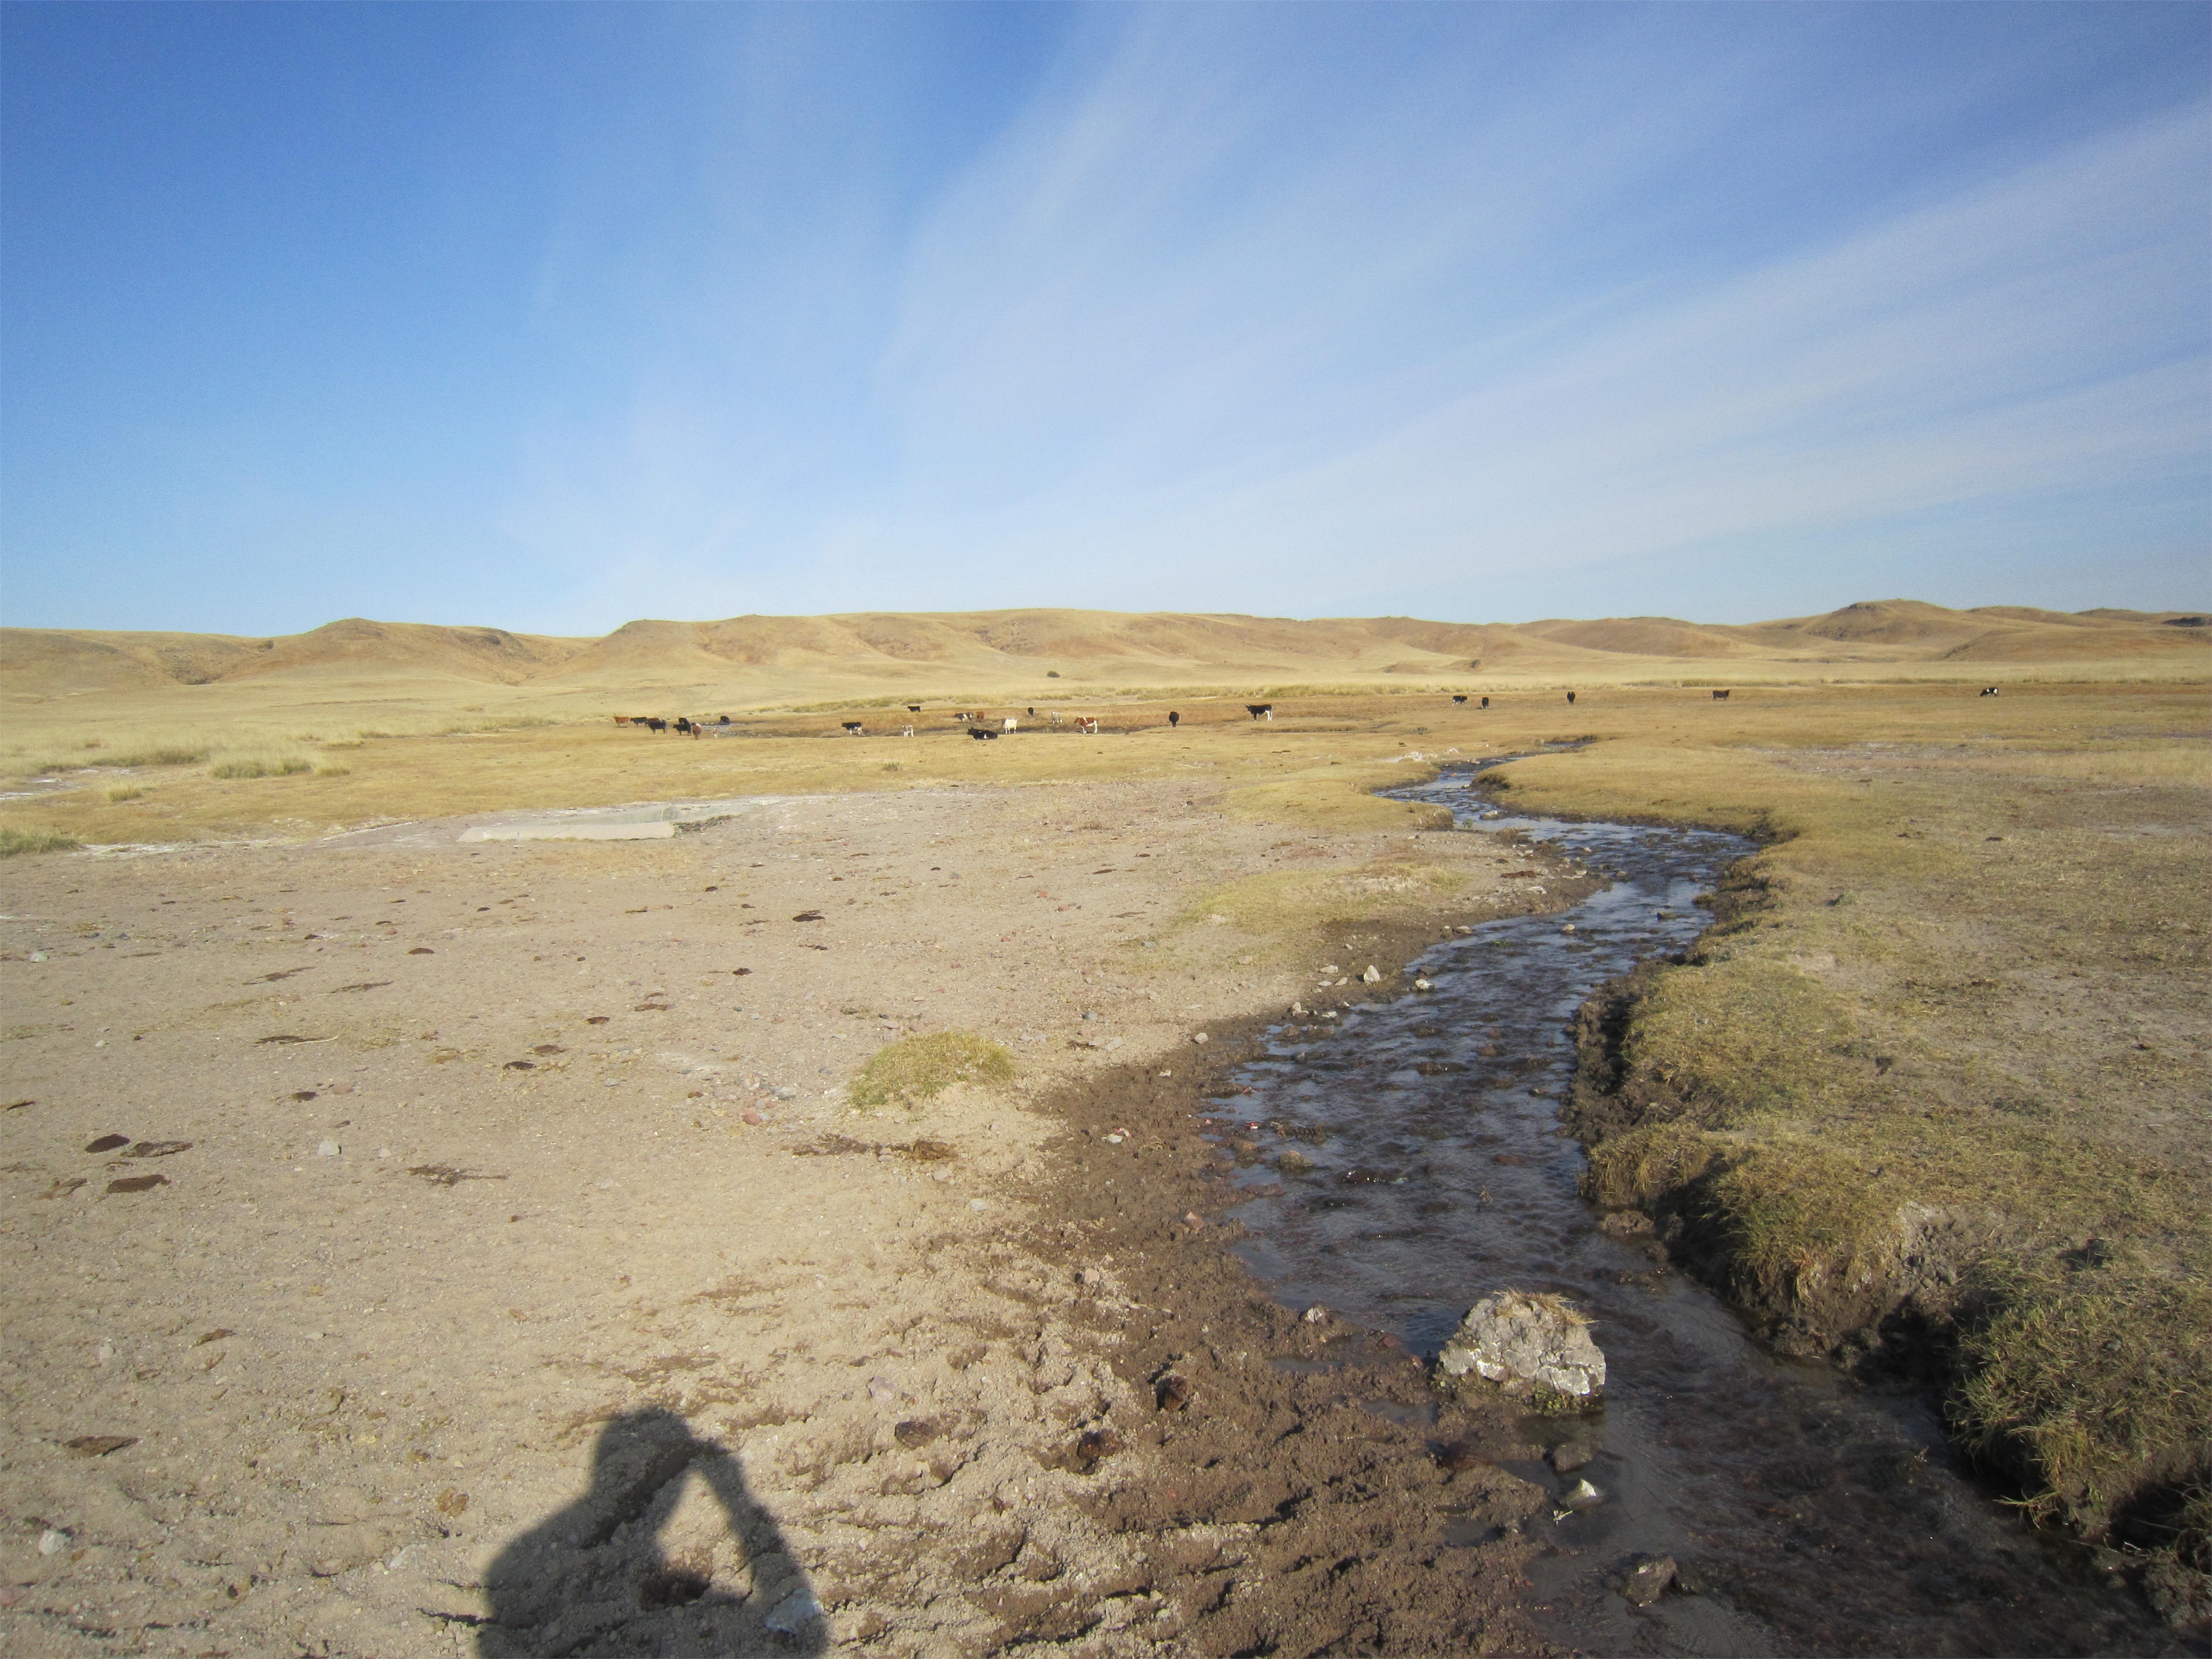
column 982, row 726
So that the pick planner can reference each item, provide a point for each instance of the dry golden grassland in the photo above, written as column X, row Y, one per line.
column 1931, row 1092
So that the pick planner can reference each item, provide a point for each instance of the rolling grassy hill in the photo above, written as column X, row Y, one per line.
column 361, row 675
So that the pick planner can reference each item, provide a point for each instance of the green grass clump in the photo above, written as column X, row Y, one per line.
column 2090, row 1385
column 162, row 755
column 918, row 1068
column 289, row 766
column 13, row 841
column 122, row 792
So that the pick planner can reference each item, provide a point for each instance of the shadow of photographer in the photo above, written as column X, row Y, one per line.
column 595, row 1570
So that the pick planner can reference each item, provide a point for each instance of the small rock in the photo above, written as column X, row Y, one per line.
column 1459, row 1455
column 1372, row 976
column 1171, row 1393
column 1316, row 1314
column 882, row 1387
column 1094, row 1447
column 328, row 1149
column 100, row 1445
column 1200, row 1038
column 794, row 1614
column 916, row 1433
column 786, row 1093
column 979, row 1203
column 1423, row 985
column 1582, row 1496
column 753, row 1118
column 1574, row 1455
column 1647, row 1580
column 1293, row 1162
column 1624, row 1224
column 108, row 1143
column 54, row 1541
column 1568, row 928
column 1523, row 1343
column 37, row 956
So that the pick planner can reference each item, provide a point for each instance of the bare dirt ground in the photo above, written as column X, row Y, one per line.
column 491, row 1263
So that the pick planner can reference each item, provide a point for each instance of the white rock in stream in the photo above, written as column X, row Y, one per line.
column 1522, row 1343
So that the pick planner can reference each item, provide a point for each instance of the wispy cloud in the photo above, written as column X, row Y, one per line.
column 1468, row 310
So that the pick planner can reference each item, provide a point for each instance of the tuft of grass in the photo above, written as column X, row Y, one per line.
column 122, row 792
column 288, row 765
column 332, row 769
column 919, row 1068
column 2082, row 1383
column 13, row 841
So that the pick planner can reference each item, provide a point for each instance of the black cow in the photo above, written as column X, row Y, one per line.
column 1261, row 710
column 1485, row 702
column 1989, row 690
column 1459, row 700
column 1571, row 697
column 654, row 723
column 982, row 734
column 683, row 725
column 1174, row 719
column 854, row 729
column 1720, row 697
column 914, row 709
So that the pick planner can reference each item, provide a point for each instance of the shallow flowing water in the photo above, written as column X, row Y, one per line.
column 1809, row 1515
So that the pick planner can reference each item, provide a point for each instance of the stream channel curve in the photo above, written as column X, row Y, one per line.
column 1808, row 1515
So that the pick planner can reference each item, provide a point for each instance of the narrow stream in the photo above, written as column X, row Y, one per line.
column 1809, row 1515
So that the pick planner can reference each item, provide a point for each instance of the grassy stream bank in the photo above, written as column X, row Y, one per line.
column 1927, row 1098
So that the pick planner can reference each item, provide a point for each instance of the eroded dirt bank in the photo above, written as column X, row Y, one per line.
column 421, row 1248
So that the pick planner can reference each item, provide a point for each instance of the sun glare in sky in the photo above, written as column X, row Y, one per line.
column 556, row 316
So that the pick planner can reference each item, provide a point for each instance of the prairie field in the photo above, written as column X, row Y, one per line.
column 1926, row 1101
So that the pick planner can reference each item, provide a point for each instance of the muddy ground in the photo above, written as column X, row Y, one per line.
column 485, row 1258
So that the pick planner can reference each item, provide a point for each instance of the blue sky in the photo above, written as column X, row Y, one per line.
column 551, row 316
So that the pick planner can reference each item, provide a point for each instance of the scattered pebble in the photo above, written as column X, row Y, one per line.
column 138, row 1183
column 1647, row 1580
column 1573, row 1456
column 1171, row 1393
column 794, row 1614
column 882, row 1387
column 328, row 1149
column 1372, row 976
column 108, row 1143
column 54, row 1541
column 1423, row 985
column 1457, row 1456
column 1200, row 1038
column 1094, row 1447
column 100, row 1445
column 1316, row 1314
column 916, row 1433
